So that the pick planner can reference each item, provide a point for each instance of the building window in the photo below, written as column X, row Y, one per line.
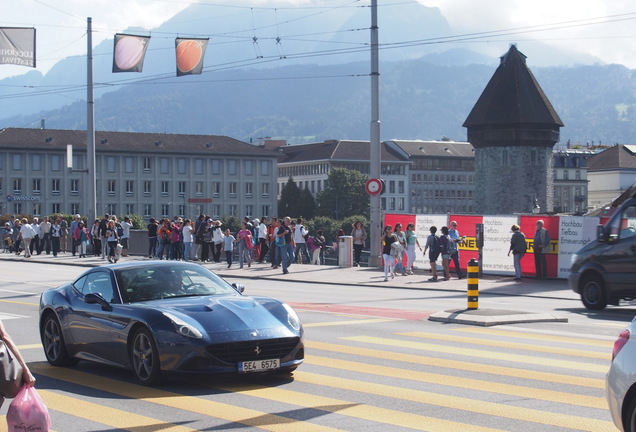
column 577, row 174
column 55, row 208
column 130, row 187
column 74, row 187
column 566, row 175
column 198, row 189
column 249, row 189
column 198, row 166
column 181, row 166
column 401, row 186
column 55, row 186
column 36, row 162
column 147, row 164
column 249, row 167
column 110, row 164
column 130, row 209
column 37, row 209
column 165, row 187
column 56, row 163
column 216, row 211
column 164, row 166
column 231, row 167
column 392, row 186
column 16, row 162
column 400, row 203
column 233, row 210
column 111, row 187
column 147, row 188
column 216, row 166
column 182, row 188
column 216, row 189
column 147, row 211
column 181, row 211
column 391, row 204
column 165, row 210
column 232, row 186
column 111, row 209
column 265, row 190
column 265, row 167
column 78, row 162
column 265, row 210
column 74, row 208
column 249, row 210
column 129, row 164
column 36, row 186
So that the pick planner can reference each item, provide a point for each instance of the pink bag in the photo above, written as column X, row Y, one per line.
column 28, row 412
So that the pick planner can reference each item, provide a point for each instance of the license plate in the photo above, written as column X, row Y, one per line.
column 259, row 365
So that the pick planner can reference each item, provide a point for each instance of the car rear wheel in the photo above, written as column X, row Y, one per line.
column 144, row 357
column 53, row 342
column 629, row 416
column 593, row 293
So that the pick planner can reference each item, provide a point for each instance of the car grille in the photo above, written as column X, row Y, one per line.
column 253, row 350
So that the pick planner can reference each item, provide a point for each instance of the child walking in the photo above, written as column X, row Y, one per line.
column 228, row 246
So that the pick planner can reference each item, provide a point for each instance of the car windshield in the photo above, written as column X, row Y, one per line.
column 153, row 282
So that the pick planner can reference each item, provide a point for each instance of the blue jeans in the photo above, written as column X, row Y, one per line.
column 455, row 258
column 186, row 251
column 301, row 248
column 287, row 256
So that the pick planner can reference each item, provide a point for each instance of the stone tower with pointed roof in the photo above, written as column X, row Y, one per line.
column 513, row 128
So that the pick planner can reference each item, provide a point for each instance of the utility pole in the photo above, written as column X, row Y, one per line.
column 90, row 128
column 375, row 158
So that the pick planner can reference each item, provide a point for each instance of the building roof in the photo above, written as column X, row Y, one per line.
column 124, row 142
column 614, row 158
column 512, row 96
column 437, row 149
column 341, row 150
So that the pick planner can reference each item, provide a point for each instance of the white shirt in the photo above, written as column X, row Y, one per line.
column 187, row 234
column 126, row 227
column 299, row 234
column 262, row 231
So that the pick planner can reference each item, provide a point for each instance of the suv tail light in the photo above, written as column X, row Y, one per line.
column 623, row 337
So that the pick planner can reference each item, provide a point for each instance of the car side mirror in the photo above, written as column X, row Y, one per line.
column 239, row 287
column 93, row 298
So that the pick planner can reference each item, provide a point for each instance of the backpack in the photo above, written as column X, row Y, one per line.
column 120, row 230
column 436, row 245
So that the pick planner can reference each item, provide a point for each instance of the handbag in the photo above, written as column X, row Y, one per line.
column 10, row 373
column 280, row 241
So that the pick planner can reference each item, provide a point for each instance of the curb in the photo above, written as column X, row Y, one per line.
column 492, row 317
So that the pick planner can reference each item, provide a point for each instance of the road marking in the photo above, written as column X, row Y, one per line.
column 365, row 412
column 607, row 355
column 351, row 322
column 462, row 382
column 105, row 415
column 459, row 365
column 4, row 316
column 363, row 310
column 540, row 336
column 458, row 403
column 491, row 355
column 197, row 405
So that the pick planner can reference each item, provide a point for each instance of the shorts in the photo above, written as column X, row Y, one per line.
column 445, row 256
column 432, row 257
column 124, row 242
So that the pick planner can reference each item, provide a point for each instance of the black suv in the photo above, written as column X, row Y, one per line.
column 604, row 271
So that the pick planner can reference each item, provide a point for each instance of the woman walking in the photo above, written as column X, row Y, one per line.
column 444, row 241
column 388, row 238
column 518, row 248
column 245, row 245
column 359, row 237
column 411, row 242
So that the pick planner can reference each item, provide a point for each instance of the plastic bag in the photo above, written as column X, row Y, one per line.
column 28, row 412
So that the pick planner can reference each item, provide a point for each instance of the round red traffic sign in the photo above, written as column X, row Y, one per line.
column 373, row 186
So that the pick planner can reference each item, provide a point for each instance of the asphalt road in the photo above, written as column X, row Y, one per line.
column 374, row 362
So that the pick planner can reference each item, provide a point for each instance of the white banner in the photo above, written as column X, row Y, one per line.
column 574, row 233
column 497, row 235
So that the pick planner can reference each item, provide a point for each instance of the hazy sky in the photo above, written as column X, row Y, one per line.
column 605, row 29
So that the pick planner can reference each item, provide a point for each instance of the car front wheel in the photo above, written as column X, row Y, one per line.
column 53, row 342
column 593, row 293
column 144, row 357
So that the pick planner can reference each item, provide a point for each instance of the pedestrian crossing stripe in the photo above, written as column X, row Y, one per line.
column 355, row 410
column 351, row 322
column 231, row 413
column 459, row 403
column 606, row 355
column 459, row 365
column 607, row 344
column 491, row 355
column 462, row 382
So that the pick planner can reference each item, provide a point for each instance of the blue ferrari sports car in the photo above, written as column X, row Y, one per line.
column 167, row 316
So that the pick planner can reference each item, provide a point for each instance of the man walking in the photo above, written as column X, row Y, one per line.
column 457, row 240
column 299, row 239
column 541, row 246
column 286, row 250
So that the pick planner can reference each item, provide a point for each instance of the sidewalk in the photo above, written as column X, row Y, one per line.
column 371, row 277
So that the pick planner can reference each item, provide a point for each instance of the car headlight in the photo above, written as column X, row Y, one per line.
column 183, row 328
column 292, row 317
column 573, row 259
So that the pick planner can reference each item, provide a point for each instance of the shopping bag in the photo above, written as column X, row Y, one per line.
column 28, row 412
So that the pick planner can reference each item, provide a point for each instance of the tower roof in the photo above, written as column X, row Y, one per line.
column 512, row 96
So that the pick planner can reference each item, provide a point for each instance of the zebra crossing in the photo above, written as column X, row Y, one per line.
column 438, row 378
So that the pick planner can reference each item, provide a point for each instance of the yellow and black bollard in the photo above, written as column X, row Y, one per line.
column 473, row 284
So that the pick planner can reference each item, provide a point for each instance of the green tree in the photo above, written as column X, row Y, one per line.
column 306, row 205
column 289, row 203
column 344, row 195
